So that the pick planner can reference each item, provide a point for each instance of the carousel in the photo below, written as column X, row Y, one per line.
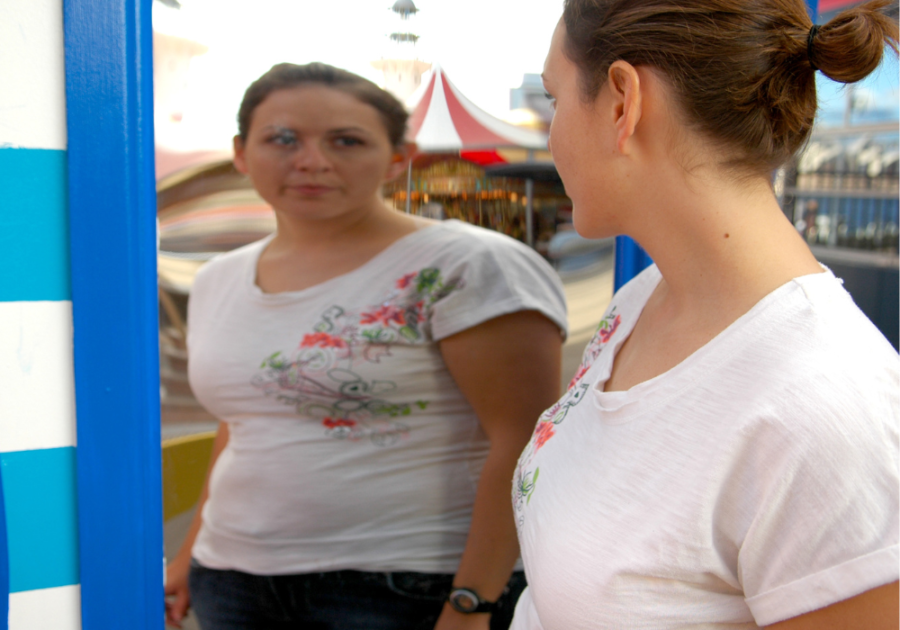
column 480, row 169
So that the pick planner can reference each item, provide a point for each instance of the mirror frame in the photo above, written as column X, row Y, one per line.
column 112, row 214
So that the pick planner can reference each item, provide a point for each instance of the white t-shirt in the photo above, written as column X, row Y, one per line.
column 350, row 446
column 755, row 481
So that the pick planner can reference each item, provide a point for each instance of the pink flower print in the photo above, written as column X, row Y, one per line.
column 542, row 432
column 322, row 340
column 405, row 281
column 582, row 370
column 607, row 331
column 333, row 423
column 420, row 311
column 385, row 315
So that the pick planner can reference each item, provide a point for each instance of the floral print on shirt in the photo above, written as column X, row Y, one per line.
column 526, row 475
column 320, row 378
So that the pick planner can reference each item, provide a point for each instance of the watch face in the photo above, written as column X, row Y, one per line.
column 464, row 600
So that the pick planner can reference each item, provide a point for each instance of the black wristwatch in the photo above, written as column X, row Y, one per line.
column 467, row 601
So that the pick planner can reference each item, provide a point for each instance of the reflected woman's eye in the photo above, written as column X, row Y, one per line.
column 284, row 138
column 347, row 141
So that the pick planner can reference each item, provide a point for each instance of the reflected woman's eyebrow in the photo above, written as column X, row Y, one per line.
column 349, row 130
column 281, row 128
column 277, row 128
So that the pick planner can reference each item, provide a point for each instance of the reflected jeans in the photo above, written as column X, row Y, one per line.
column 336, row 600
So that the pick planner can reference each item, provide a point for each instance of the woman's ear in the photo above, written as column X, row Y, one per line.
column 400, row 159
column 625, row 86
column 240, row 163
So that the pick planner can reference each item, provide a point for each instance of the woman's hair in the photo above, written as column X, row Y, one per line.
column 743, row 71
column 288, row 75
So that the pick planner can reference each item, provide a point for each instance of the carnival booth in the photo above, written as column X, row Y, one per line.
column 457, row 142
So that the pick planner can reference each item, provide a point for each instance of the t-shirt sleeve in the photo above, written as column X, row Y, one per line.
column 821, row 523
column 496, row 277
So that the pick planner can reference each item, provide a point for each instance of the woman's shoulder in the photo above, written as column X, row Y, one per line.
column 493, row 274
column 821, row 364
column 456, row 246
column 229, row 266
column 466, row 239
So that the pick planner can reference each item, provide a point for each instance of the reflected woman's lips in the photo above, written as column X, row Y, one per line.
column 311, row 189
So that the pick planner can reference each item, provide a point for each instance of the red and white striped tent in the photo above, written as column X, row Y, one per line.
column 445, row 121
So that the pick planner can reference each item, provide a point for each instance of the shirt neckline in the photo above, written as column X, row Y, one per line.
column 621, row 407
column 286, row 296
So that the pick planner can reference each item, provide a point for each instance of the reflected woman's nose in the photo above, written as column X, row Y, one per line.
column 309, row 156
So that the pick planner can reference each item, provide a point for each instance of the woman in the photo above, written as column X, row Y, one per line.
column 726, row 456
column 375, row 374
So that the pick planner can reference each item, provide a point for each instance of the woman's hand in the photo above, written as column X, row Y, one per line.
column 178, row 599
column 453, row 620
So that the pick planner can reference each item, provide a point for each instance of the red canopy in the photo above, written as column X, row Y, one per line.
column 445, row 120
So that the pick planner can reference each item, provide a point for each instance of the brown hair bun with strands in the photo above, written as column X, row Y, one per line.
column 743, row 71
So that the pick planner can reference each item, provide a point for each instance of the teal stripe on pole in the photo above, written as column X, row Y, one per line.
column 34, row 226
column 41, row 521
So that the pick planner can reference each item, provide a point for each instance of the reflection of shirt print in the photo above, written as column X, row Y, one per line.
column 526, row 475
column 320, row 378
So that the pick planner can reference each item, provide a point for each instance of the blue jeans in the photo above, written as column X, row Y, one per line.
column 337, row 600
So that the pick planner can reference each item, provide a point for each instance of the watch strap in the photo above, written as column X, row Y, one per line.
column 483, row 606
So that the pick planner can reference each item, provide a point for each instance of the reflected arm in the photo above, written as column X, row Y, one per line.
column 178, row 569
column 508, row 368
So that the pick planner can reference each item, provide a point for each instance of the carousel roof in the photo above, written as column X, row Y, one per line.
column 445, row 120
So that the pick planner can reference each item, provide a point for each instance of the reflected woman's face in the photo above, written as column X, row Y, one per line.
column 316, row 152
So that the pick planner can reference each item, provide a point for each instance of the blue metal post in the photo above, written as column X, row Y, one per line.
column 112, row 206
column 631, row 259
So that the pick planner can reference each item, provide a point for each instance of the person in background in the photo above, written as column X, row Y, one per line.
column 727, row 454
column 375, row 374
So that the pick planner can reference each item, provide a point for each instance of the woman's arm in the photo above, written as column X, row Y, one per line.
column 508, row 368
column 876, row 609
column 177, row 571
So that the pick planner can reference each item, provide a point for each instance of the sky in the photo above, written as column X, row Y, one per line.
column 484, row 46
column 876, row 99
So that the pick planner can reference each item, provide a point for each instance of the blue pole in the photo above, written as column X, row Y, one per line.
column 112, row 214
column 631, row 259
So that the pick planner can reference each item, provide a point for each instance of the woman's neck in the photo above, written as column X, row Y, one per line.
column 720, row 244
column 371, row 222
column 306, row 252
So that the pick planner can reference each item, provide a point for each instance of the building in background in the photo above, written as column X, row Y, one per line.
column 532, row 97
column 841, row 191
column 401, row 66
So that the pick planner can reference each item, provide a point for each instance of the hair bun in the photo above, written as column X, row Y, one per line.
column 850, row 46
